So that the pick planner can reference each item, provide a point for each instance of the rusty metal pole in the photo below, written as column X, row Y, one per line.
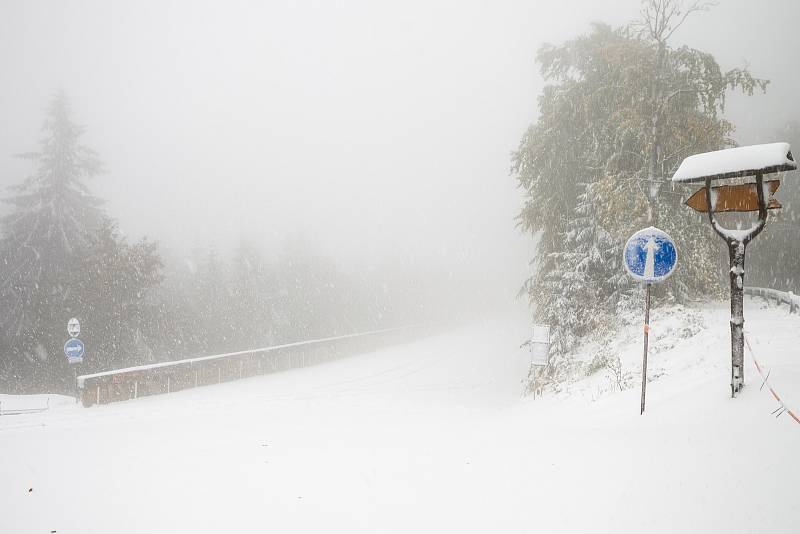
column 646, row 337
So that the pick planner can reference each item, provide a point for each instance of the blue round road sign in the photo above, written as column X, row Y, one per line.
column 73, row 350
column 650, row 255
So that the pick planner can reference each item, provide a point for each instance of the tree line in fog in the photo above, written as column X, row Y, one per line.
column 62, row 255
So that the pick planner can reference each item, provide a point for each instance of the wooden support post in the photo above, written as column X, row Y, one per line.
column 737, row 245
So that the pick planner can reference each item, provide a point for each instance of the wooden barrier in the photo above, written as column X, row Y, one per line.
column 780, row 297
column 167, row 377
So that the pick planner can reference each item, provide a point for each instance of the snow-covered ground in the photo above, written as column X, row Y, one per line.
column 430, row 436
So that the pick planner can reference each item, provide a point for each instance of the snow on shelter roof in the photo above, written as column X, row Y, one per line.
column 736, row 162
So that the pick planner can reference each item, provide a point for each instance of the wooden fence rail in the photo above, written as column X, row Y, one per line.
column 166, row 377
column 780, row 297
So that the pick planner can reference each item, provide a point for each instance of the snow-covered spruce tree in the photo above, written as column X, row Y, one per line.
column 50, row 226
column 620, row 111
column 575, row 278
column 60, row 257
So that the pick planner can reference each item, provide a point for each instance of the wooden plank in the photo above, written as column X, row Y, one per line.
column 739, row 198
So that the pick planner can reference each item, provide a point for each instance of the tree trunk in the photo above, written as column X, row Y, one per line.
column 653, row 178
column 736, row 253
column 737, row 245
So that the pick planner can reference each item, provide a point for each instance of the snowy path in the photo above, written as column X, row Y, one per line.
column 430, row 436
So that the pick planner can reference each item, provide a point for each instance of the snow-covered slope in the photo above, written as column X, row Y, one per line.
column 431, row 436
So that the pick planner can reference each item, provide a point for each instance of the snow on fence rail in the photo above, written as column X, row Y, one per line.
column 166, row 377
column 780, row 297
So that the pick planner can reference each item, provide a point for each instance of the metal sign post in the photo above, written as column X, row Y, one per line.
column 742, row 162
column 649, row 256
column 646, row 339
column 74, row 350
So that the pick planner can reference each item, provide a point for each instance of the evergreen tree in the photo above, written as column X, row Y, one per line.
column 62, row 257
column 116, row 304
column 773, row 263
column 253, row 291
column 622, row 108
column 214, row 304
column 309, row 302
column 50, row 228
column 576, row 279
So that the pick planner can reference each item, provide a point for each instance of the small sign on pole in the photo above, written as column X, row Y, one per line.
column 649, row 256
column 74, row 350
column 74, row 327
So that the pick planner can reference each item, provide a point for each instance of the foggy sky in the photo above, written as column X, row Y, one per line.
column 377, row 131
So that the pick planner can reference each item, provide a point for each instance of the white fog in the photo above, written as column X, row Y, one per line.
column 374, row 206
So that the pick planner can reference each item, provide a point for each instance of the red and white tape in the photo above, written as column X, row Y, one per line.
column 782, row 407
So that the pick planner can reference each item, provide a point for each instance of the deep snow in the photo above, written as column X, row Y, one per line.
column 431, row 436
